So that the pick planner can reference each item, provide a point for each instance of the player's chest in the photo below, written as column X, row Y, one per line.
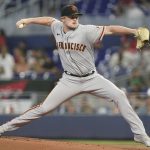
column 70, row 37
column 70, row 41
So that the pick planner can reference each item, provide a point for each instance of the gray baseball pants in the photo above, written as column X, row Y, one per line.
column 69, row 86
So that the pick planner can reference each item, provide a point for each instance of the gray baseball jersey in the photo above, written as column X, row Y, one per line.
column 76, row 46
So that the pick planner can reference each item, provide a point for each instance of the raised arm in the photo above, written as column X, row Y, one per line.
column 115, row 29
column 47, row 21
column 142, row 34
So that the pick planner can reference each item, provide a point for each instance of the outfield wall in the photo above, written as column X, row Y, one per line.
column 91, row 127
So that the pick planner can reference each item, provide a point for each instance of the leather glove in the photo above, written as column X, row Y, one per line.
column 143, row 37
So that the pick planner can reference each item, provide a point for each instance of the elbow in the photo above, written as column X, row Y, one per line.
column 108, row 30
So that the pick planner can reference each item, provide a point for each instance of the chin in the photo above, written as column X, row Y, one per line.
column 73, row 27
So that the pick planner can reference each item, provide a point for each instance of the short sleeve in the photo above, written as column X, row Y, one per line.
column 55, row 25
column 94, row 33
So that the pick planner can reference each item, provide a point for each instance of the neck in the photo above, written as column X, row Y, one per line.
column 66, row 29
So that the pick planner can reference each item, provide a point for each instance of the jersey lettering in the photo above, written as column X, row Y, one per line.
column 71, row 46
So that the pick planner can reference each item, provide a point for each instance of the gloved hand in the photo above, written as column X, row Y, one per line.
column 143, row 37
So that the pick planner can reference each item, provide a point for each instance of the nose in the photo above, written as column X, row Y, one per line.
column 75, row 19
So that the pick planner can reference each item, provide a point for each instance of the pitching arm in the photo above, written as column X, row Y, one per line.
column 47, row 21
column 142, row 34
column 115, row 29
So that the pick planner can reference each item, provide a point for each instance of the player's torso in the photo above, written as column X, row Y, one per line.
column 75, row 51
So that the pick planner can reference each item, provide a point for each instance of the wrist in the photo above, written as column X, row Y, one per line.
column 135, row 32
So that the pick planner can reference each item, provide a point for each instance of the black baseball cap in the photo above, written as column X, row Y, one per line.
column 70, row 10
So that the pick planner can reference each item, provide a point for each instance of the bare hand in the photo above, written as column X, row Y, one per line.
column 21, row 23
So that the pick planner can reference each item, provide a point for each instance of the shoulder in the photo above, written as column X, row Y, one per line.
column 93, row 32
column 93, row 27
column 56, row 23
column 9, row 56
column 86, row 27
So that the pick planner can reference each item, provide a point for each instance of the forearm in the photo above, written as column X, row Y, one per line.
column 115, row 29
column 40, row 20
column 47, row 21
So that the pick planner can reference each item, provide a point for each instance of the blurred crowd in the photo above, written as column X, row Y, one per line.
column 127, row 63
column 132, row 12
column 23, row 63
column 110, row 7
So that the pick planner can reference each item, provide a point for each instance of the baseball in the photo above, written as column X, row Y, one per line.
column 21, row 26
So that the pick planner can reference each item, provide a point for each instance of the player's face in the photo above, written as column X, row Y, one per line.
column 71, row 22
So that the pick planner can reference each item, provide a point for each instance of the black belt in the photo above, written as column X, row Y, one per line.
column 84, row 75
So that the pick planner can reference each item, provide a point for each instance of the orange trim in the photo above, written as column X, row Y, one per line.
column 102, row 33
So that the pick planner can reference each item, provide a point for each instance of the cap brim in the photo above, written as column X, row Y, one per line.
column 76, row 14
column 79, row 14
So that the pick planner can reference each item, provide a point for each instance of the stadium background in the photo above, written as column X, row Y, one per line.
column 30, row 67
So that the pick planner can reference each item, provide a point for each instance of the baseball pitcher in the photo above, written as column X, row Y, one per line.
column 75, row 44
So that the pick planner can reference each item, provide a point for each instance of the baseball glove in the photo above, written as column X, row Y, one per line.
column 143, row 38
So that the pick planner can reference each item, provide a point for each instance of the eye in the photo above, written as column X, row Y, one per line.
column 74, row 17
